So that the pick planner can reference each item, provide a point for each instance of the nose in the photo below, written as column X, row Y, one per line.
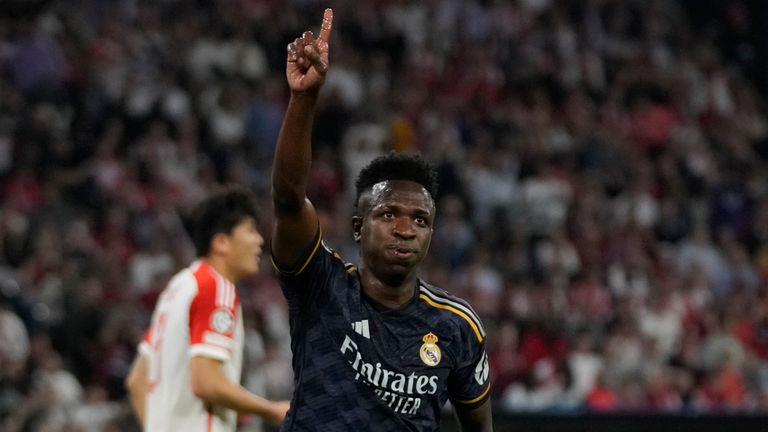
column 404, row 228
column 259, row 239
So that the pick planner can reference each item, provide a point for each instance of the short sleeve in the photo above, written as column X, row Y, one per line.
column 469, row 384
column 311, row 277
column 212, row 317
column 305, row 264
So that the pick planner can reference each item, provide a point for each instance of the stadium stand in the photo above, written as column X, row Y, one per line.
column 604, row 199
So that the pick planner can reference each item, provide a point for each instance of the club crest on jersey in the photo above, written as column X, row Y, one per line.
column 222, row 321
column 429, row 352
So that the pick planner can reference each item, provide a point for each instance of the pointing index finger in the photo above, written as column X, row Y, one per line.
column 325, row 29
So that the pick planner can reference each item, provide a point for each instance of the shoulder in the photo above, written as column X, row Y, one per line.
column 318, row 258
column 200, row 283
column 202, row 275
column 192, row 280
column 333, row 259
column 453, row 308
column 181, row 288
column 211, row 285
column 183, row 279
column 338, row 259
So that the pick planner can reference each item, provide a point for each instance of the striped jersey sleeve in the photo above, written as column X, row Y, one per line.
column 468, row 384
column 212, row 316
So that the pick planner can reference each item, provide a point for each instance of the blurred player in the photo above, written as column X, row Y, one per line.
column 186, row 375
column 375, row 348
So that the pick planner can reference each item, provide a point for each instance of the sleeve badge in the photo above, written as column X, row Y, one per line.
column 222, row 321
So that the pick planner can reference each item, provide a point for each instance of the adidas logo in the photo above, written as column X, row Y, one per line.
column 361, row 328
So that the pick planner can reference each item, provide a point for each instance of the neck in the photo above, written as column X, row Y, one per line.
column 221, row 268
column 391, row 294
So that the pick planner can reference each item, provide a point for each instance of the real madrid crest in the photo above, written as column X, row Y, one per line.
column 430, row 353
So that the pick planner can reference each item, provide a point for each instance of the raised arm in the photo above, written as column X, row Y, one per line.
column 296, row 221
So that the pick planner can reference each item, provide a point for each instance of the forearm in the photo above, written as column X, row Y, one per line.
column 211, row 384
column 137, row 385
column 293, row 154
column 138, row 403
column 230, row 395
column 296, row 221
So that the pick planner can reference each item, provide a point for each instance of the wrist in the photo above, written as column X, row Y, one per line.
column 309, row 95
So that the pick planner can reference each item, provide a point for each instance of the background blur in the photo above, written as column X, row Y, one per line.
column 603, row 201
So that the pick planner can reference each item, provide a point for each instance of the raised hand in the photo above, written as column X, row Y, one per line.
column 308, row 58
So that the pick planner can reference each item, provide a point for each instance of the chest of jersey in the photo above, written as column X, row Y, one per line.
column 359, row 366
column 402, row 372
column 404, row 356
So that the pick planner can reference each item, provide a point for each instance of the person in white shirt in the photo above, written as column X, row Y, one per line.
column 186, row 374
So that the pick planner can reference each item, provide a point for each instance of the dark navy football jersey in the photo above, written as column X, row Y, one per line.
column 359, row 366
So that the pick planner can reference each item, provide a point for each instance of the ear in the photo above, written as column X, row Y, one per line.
column 357, row 226
column 220, row 243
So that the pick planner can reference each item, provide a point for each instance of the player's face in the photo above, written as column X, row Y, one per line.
column 244, row 254
column 395, row 227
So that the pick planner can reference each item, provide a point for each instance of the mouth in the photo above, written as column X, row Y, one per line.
column 402, row 252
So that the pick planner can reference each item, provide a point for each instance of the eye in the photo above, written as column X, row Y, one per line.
column 420, row 220
column 388, row 215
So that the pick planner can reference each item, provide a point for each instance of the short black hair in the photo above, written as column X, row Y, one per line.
column 220, row 213
column 397, row 166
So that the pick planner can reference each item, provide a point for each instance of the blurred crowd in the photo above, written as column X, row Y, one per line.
column 603, row 194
